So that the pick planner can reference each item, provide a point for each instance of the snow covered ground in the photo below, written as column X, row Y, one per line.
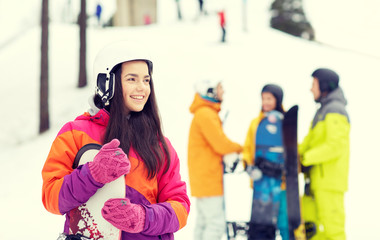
column 185, row 52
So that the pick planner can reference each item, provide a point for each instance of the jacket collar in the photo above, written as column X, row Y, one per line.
column 101, row 117
column 335, row 95
column 199, row 102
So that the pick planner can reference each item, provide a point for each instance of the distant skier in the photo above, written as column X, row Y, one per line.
column 202, row 10
column 206, row 147
column 271, row 96
column 222, row 22
column 98, row 14
column 147, row 19
column 179, row 12
column 200, row 6
column 324, row 153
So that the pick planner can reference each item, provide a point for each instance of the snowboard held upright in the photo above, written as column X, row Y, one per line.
column 296, row 226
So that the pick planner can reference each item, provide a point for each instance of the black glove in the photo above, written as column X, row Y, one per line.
column 311, row 229
column 307, row 189
column 305, row 169
column 230, row 162
column 269, row 168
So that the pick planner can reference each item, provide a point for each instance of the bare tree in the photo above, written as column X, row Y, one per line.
column 244, row 15
column 44, row 82
column 82, row 55
column 179, row 13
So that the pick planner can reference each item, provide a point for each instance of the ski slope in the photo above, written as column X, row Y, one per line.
column 185, row 52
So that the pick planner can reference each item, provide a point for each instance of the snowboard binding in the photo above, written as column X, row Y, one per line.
column 77, row 236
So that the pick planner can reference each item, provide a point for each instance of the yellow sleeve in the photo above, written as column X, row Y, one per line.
column 250, row 141
column 211, row 127
column 305, row 143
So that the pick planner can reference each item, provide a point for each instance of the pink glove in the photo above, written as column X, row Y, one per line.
column 110, row 163
column 124, row 215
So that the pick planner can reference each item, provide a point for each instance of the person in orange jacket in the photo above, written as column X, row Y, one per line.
column 206, row 147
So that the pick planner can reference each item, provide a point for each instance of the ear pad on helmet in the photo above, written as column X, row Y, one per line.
column 326, row 86
column 105, row 86
column 323, row 86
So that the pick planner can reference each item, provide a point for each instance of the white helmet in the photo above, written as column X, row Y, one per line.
column 207, row 88
column 110, row 56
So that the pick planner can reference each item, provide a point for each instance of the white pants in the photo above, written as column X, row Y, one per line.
column 210, row 221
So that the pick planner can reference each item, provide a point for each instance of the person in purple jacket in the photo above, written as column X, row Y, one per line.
column 124, row 120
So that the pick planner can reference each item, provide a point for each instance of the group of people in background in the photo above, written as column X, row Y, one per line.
column 124, row 122
column 323, row 155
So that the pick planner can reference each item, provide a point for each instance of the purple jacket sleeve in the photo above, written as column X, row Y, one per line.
column 77, row 188
column 160, row 219
column 171, row 212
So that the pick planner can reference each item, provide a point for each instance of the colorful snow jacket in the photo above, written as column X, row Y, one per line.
column 206, row 147
column 64, row 188
column 326, row 147
column 249, row 148
column 250, row 141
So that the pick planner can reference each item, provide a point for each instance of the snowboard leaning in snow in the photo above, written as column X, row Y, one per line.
column 87, row 219
column 295, row 223
column 267, row 188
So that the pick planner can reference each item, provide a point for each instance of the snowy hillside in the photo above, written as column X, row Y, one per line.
column 185, row 52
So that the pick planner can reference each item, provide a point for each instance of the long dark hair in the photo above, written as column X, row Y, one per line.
column 140, row 130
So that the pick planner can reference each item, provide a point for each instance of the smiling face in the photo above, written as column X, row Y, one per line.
column 268, row 101
column 135, row 81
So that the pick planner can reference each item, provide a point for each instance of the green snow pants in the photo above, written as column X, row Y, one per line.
column 326, row 210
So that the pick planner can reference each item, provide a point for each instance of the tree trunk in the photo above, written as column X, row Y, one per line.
column 244, row 14
column 82, row 55
column 179, row 14
column 44, row 84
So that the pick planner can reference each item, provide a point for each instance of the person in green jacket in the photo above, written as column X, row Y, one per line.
column 324, row 155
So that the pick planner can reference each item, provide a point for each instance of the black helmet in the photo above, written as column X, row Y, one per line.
column 327, row 78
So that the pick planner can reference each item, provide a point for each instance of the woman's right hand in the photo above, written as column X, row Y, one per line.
column 110, row 163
